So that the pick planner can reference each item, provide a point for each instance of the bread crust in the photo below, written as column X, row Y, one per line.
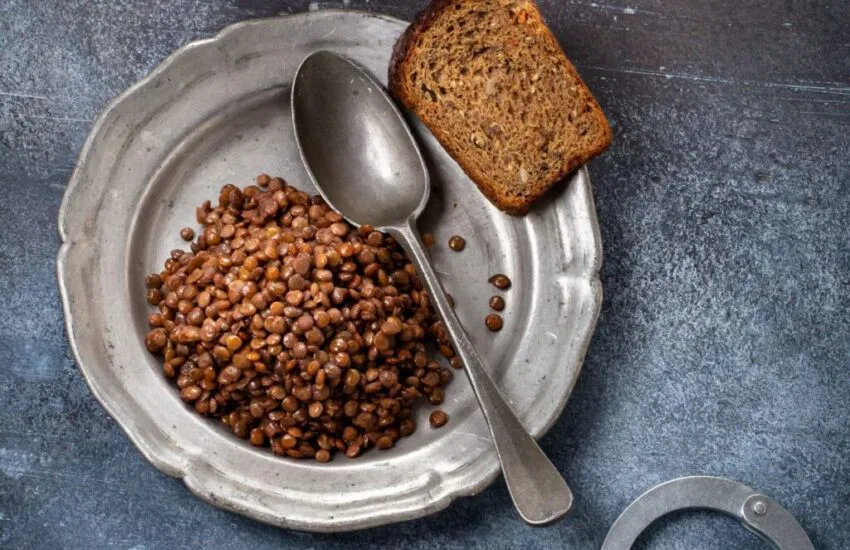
column 516, row 205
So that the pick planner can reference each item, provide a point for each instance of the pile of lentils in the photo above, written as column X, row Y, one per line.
column 298, row 331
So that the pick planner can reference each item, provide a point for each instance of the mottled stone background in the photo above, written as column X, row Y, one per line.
column 723, row 343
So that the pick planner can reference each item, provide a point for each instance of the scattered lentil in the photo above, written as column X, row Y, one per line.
column 457, row 243
column 494, row 322
column 438, row 418
column 497, row 303
column 500, row 281
column 187, row 233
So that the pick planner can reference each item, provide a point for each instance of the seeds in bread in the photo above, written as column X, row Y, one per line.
column 494, row 86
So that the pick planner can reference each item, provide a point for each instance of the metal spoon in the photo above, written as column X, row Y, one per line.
column 366, row 164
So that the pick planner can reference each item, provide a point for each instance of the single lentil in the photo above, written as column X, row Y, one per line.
column 497, row 303
column 500, row 281
column 494, row 322
column 438, row 418
column 457, row 243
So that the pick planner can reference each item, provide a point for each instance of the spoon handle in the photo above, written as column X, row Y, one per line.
column 538, row 490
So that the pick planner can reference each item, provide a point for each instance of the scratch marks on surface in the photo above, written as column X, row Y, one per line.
column 297, row 40
column 61, row 119
column 476, row 436
column 14, row 463
column 813, row 100
column 24, row 95
column 619, row 9
column 826, row 114
column 552, row 335
column 199, row 31
column 28, row 359
column 316, row 6
column 17, row 464
column 9, row 434
column 836, row 90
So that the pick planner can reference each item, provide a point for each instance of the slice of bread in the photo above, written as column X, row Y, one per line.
column 493, row 85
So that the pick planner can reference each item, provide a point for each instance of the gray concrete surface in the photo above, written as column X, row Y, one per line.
column 724, row 341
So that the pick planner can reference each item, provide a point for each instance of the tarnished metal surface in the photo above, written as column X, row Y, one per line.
column 759, row 513
column 216, row 112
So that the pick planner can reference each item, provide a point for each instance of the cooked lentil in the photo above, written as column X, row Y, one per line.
column 187, row 233
column 494, row 322
column 497, row 303
column 500, row 281
column 296, row 330
column 438, row 418
column 457, row 243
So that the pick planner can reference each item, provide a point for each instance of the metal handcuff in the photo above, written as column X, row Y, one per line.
column 758, row 513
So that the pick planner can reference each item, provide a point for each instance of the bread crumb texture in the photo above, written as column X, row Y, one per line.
column 494, row 86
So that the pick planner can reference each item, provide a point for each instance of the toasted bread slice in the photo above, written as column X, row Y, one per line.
column 493, row 85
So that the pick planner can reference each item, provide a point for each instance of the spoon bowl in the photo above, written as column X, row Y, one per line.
column 356, row 143
column 365, row 162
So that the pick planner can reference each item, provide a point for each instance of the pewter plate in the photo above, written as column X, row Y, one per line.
column 216, row 112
